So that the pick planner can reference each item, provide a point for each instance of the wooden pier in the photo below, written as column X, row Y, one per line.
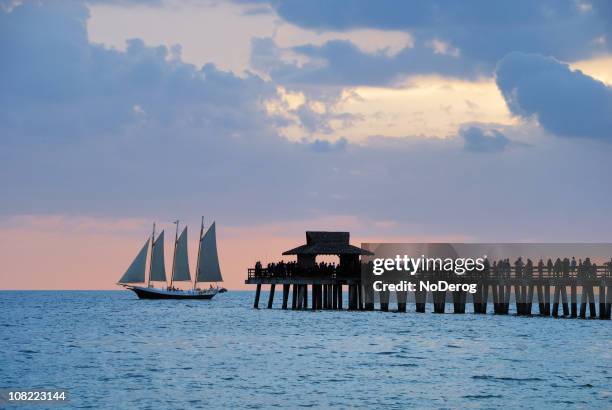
column 315, row 288
column 493, row 296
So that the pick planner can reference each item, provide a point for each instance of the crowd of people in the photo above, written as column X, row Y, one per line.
column 503, row 268
column 288, row 269
column 559, row 268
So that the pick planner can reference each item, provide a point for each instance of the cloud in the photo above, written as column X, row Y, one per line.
column 327, row 146
column 481, row 30
column 448, row 38
column 86, row 130
column 54, row 81
column 342, row 63
column 480, row 140
column 567, row 103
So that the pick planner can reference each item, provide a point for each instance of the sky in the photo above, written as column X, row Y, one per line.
column 397, row 121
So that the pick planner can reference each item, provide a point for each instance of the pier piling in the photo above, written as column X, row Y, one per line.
column 285, row 295
column 271, row 296
column 573, row 301
column 257, row 293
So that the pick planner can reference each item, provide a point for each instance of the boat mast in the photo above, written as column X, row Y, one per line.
column 151, row 264
column 174, row 257
column 197, row 272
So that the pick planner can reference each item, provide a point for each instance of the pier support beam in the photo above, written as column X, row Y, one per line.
column 547, row 300
column 609, row 302
column 560, row 291
column 541, row 308
column 459, row 301
column 339, row 296
column 360, row 297
column 574, row 300
column 294, row 298
column 368, row 297
column 439, row 301
column 587, row 295
column 334, row 296
column 300, row 299
column 506, row 304
column 257, row 293
column 494, row 289
column 592, row 306
column 271, row 296
column 555, row 309
column 518, row 299
column 420, row 298
column 529, row 303
column 384, row 300
column 602, row 301
column 285, row 296
column 480, row 299
column 401, row 297
column 325, row 307
column 485, row 301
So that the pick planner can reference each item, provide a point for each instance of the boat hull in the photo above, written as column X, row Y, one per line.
column 153, row 293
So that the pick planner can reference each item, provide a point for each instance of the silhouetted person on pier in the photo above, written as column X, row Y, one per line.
column 587, row 267
column 549, row 267
column 573, row 266
column 566, row 267
column 258, row 268
column 541, row 268
column 518, row 268
column 487, row 268
column 558, row 268
column 495, row 270
column 529, row 269
column 505, row 268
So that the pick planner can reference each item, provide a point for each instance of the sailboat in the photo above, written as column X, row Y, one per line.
column 207, row 267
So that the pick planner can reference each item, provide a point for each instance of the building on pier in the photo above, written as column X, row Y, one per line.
column 328, row 243
column 325, row 281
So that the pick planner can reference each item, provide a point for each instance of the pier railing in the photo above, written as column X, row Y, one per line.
column 255, row 273
column 593, row 272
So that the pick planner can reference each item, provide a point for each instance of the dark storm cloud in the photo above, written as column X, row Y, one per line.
column 565, row 102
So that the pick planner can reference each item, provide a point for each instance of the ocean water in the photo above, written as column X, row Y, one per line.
column 111, row 350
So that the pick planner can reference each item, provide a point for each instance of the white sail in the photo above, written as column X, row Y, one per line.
column 158, row 264
column 136, row 272
column 208, row 265
column 181, row 261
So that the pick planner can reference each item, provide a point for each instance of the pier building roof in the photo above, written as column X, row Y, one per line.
column 327, row 243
